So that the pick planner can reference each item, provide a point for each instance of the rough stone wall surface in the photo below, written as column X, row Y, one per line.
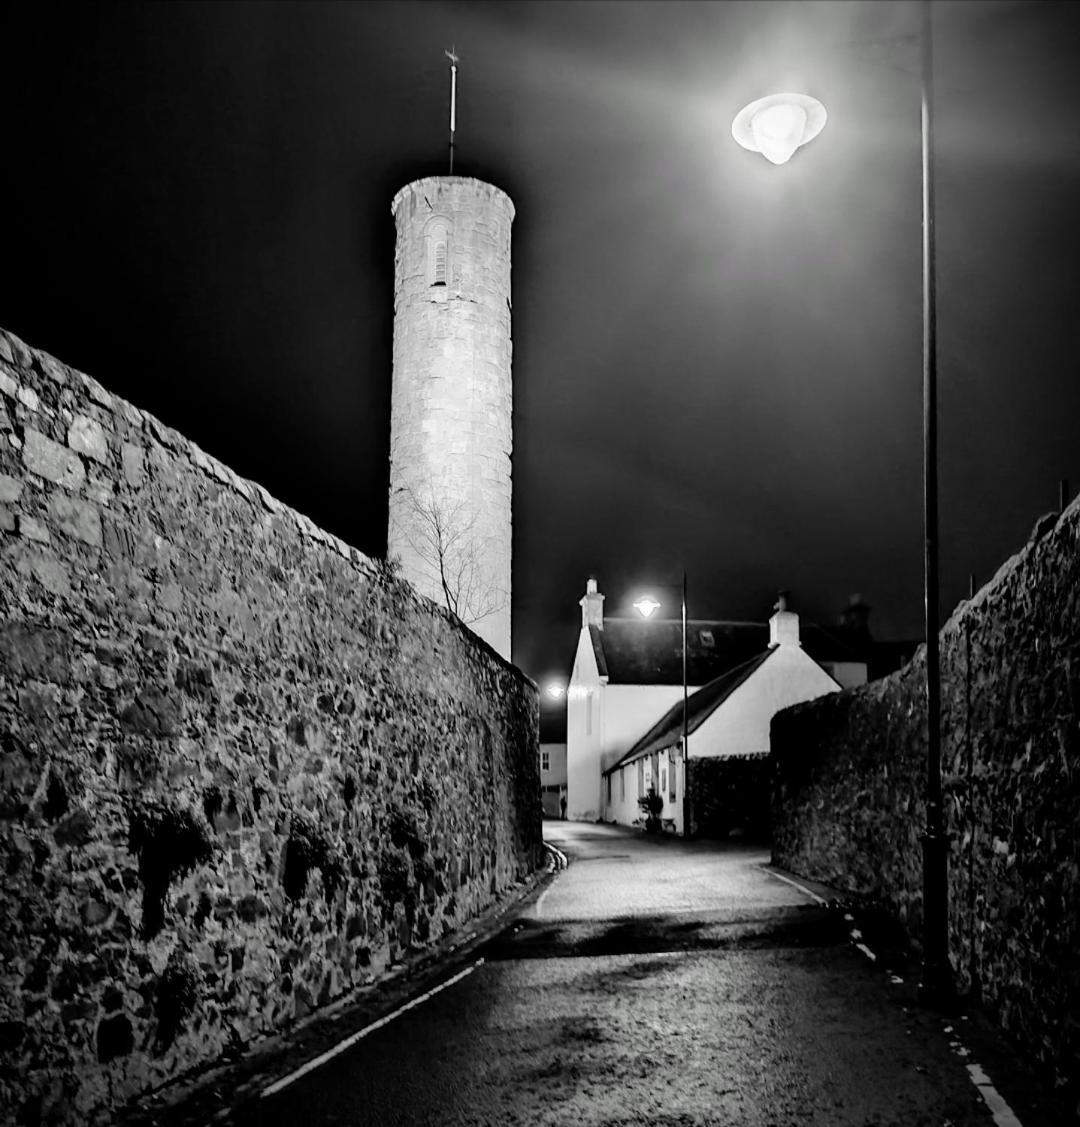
column 451, row 403
column 242, row 767
column 848, row 801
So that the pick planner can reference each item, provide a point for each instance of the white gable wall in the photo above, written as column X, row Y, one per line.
column 603, row 722
column 630, row 711
column 741, row 724
column 583, row 712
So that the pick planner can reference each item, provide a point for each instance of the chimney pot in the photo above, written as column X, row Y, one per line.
column 592, row 606
column 784, row 624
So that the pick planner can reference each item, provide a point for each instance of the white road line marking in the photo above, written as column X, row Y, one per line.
column 540, row 901
column 1004, row 1116
column 795, row 884
column 351, row 1040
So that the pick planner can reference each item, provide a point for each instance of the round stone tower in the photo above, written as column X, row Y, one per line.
column 450, row 415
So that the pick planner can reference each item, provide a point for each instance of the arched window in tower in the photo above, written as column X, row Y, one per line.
column 438, row 251
column 440, row 264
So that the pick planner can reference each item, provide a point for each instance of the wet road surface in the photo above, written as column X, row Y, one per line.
column 654, row 982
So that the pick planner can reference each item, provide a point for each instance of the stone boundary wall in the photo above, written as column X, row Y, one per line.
column 848, row 800
column 243, row 768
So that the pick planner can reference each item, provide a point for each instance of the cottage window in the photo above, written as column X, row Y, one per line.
column 622, row 784
column 608, row 781
column 671, row 780
column 641, row 778
column 545, row 761
column 663, row 779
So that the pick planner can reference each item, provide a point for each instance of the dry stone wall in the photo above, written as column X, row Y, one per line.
column 848, row 803
column 242, row 767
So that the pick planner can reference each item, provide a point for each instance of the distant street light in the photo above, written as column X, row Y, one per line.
column 778, row 124
column 762, row 127
column 645, row 607
column 555, row 689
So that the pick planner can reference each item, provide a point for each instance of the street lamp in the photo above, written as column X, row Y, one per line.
column 772, row 126
column 645, row 607
column 778, row 124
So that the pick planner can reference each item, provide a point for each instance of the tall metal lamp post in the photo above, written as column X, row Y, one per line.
column 645, row 607
column 776, row 126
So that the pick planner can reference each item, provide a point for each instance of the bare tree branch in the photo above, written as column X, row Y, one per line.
column 442, row 532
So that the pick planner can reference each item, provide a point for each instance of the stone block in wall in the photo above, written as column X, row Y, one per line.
column 86, row 436
column 52, row 461
column 75, row 518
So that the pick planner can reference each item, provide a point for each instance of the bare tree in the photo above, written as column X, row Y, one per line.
column 442, row 533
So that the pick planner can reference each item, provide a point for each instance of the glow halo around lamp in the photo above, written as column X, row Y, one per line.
column 778, row 124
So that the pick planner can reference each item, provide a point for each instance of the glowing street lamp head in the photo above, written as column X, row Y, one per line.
column 645, row 606
column 555, row 689
column 777, row 125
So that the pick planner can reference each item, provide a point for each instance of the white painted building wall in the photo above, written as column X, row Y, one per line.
column 630, row 782
column 603, row 722
column 741, row 724
column 583, row 735
column 552, row 777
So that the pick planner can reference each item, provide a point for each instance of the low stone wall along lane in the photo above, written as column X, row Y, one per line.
column 850, row 771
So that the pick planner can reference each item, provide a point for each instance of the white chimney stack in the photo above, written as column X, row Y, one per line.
column 592, row 606
column 784, row 625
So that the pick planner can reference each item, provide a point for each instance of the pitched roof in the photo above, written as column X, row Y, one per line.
column 649, row 652
column 667, row 731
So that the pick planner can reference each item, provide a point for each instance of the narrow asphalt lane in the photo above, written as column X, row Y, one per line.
column 653, row 982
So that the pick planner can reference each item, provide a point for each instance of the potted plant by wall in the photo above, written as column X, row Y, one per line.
column 652, row 804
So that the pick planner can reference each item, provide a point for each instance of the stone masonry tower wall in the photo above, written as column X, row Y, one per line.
column 450, row 425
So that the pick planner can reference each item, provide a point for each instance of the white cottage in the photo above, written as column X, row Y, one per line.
column 727, row 719
column 627, row 676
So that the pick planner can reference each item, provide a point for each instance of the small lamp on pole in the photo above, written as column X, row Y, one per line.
column 645, row 606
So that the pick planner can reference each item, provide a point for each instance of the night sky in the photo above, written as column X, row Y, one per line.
column 717, row 362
